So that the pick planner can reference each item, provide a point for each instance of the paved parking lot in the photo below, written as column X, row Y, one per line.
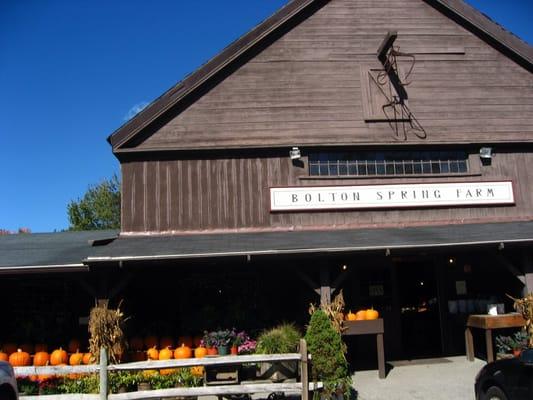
column 432, row 379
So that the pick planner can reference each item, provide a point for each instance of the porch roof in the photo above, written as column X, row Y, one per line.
column 45, row 252
column 154, row 248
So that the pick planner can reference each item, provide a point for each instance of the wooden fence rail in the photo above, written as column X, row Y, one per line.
column 103, row 369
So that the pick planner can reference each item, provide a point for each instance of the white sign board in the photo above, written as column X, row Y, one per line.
column 391, row 196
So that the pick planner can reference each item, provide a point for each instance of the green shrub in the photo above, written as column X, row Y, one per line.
column 328, row 363
column 283, row 338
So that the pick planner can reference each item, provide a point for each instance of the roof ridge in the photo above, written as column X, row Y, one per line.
column 458, row 10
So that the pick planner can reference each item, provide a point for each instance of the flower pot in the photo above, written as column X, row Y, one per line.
column 223, row 350
column 212, row 351
column 141, row 386
column 234, row 350
column 517, row 352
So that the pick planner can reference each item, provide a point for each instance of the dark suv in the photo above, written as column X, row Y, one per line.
column 508, row 379
column 8, row 383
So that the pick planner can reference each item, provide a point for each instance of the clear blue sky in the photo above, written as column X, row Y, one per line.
column 71, row 72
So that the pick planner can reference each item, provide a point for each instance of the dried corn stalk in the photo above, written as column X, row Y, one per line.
column 525, row 307
column 334, row 310
column 106, row 330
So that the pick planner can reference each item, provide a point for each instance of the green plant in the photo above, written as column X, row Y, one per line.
column 520, row 340
column 85, row 384
column 283, row 338
column 327, row 349
column 26, row 386
column 122, row 379
column 504, row 344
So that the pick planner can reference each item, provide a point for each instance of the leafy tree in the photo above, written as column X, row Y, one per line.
column 98, row 209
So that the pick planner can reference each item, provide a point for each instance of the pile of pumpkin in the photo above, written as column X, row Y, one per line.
column 151, row 348
column 362, row 315
column 38, row 356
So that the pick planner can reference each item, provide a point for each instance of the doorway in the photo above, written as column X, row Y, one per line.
column 419, row 308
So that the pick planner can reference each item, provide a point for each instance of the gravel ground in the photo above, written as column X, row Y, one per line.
column 432, row 379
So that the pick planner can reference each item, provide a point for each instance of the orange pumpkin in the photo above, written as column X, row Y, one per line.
column 10, row 348
column 200, row 352
column 27, row 347
column 186, row 340
column 371, row 314
column 197, row 371
column 4, row 356
column 183, row 352
column 41, row 359
column 151, row 341
column 19, row 358
column 165, row 342
column 73, row 345
column 360, row 315
column 165, row 354
column 41, row 347
column 152, row 354
column 87, row 358
column 136, row 343
column 58, row 357
column 350, row 316
column 76, row 358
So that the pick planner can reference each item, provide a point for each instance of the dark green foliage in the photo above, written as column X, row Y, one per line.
column 98, row 209
column 327, row 349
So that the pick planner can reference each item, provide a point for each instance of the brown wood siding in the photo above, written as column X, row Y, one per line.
column 305, row 87
column 233, row 193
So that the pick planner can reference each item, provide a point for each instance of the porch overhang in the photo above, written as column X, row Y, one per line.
column 197, row 246
column 49, row 252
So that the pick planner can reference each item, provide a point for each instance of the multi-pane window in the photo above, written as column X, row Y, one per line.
column 368, row 163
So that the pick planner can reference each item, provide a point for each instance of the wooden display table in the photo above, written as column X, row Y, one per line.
column 372, row 327
column 488, row 323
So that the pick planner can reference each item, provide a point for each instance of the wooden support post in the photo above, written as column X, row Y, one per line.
column 490, row 351
column 469, row 344
column 304, row 371
column 395, row 325
column 441, row 277
column 103, row 374
column 527, row 262
column 325, row 288
column 381, row 355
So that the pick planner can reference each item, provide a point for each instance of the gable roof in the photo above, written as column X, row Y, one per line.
column 457, row 10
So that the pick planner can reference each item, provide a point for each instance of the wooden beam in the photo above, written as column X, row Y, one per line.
column 310, row 283
column 340, row 280
column 385, row 45
column 512, row 268
column 120, row 286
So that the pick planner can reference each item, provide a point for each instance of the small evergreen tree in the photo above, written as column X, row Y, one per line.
column 329, row 364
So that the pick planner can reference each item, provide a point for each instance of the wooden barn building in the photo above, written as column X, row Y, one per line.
column 382, row 148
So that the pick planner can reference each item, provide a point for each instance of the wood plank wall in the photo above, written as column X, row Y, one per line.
column 232, row 193
column 305, row 87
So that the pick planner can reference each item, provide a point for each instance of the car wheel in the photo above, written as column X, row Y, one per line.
column 494, row 393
